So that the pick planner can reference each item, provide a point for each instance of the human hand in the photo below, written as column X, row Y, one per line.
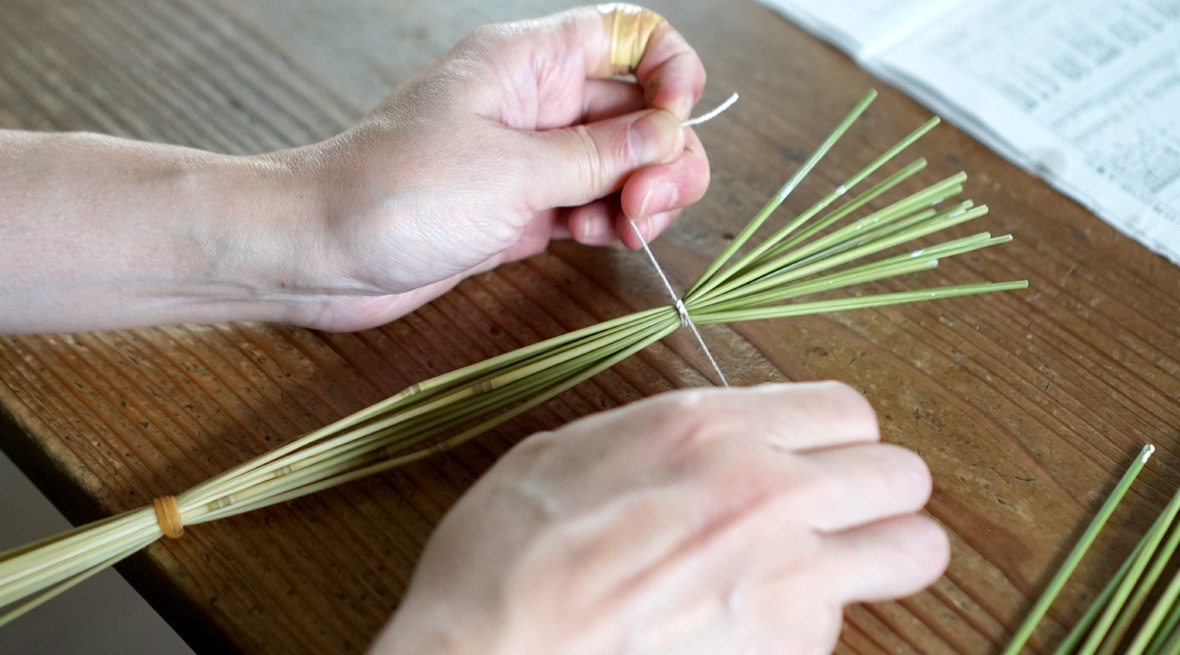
column 516, row 137
column 708, row 521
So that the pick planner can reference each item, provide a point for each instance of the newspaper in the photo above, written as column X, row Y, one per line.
column 1084, row 93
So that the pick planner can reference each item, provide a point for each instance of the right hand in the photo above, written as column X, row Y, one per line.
column 706, row 521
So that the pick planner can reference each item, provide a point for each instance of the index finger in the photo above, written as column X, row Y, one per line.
column 668, row 69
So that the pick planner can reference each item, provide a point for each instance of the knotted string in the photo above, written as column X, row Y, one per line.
column 685, row 318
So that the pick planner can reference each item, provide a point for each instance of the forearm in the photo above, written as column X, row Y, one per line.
column 355, row 231
column 98, row 232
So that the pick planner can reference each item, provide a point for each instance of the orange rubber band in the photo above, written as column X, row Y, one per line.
column 632, row 27
column 168, row 516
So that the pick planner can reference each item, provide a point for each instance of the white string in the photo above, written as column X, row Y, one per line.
column 685, row 319
column 713, row 114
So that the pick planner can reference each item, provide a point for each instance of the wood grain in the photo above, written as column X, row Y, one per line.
column 1026, row 405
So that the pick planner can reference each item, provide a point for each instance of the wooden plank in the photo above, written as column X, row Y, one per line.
column 1026, row 405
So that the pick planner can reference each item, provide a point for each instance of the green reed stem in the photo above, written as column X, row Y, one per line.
column 778, row 198
column 1041, row 607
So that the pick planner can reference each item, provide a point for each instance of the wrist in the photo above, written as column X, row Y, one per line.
column 123, row 233
column 264, row 246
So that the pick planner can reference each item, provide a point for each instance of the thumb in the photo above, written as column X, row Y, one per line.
column 581, row 163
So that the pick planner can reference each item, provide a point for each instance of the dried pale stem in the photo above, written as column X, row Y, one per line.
column 438, row 414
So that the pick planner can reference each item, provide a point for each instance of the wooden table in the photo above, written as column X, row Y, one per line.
column 1027, row 405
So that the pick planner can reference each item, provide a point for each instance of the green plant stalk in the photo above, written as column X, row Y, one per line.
column 409, row 436
column 1165, row 524
column 885, row 230
column 63, row 549
column 1153, row 625
column 64, row 544
column 71, row 566
column 782, row 194
column 145, row 520
column 1041, row 607
column 863, row 302
column 76, row 535
column 839, row 191
column 423, row 390
column 794, row 270
column 1173, row 645
column 928, row 220
column 1167, row 633
column 833, row 259
column 831, row 282
column 912, row 262
column 834, row 217
column 467, row 435
column 895, row 212
column 1069, row 645
column 925, row 199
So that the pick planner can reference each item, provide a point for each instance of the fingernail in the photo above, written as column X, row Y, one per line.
column 656, row 136
column 659, row 198
column 591, row 230
column 650, row 226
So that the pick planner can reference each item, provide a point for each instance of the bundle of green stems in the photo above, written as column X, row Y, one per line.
column 1132, row 615
column 818, row 251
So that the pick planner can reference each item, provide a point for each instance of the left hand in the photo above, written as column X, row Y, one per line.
column 516, row 137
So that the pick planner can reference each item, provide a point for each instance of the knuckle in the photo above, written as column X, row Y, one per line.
column 589, row 158
column 491, row 45
column 524, row 456
column 815, row 486
column 486, row 38
column 701, row 175
column 685, row 419
column 537, row 442
column 517, row 164
column 506, row 231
